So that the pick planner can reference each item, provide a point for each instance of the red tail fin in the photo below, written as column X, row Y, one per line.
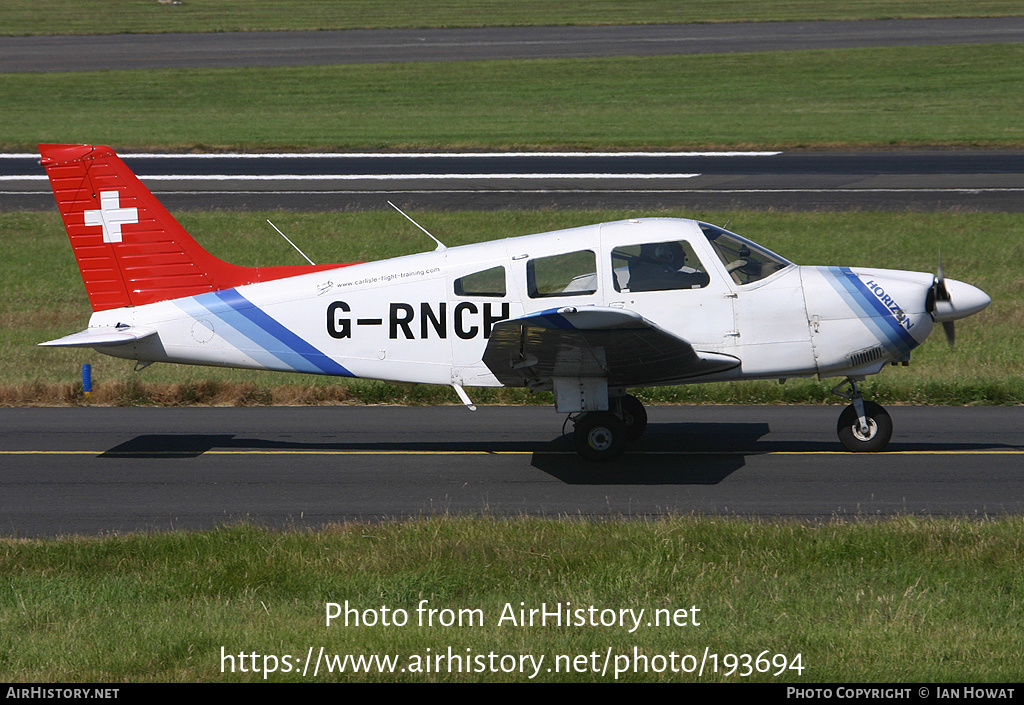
column 130, row 249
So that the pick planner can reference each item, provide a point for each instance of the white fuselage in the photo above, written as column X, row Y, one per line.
column 427, row 317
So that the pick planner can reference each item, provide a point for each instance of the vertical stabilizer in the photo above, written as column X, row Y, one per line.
column 130, row 249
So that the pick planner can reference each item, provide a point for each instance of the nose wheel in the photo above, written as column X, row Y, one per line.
column 872, row 436
column 864, row 426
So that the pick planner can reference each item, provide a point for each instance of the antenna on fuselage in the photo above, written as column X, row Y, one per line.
column 440, row 245
column 289, row 241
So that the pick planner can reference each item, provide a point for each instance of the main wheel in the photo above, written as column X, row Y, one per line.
column 599, row 435
column 634, row 416
column 879, row 429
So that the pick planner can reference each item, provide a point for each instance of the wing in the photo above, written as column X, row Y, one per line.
column 594, row 341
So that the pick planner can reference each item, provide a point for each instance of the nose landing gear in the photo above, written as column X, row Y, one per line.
column 864, row 426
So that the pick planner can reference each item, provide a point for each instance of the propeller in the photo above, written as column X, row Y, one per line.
column 941, row 302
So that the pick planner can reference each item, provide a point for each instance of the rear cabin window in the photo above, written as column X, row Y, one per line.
column 571, row 274
column 489, row 282
column 658, row 266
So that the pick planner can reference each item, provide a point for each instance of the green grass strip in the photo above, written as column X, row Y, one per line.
column 45, row 299
column 852, row 97
column 91, row 17
column 899, row 601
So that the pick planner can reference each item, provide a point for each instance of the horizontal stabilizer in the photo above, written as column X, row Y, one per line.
column 100, row 337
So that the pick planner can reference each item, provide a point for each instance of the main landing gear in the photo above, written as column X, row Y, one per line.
column 864, row 426
column 604, row 435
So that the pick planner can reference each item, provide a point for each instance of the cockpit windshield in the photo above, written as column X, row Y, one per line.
column 745, row 261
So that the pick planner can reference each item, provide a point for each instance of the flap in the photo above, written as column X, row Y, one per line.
column 594, row 341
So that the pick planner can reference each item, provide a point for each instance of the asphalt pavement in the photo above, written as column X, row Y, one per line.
column 922, row 180
column 239, row 49
column 141, row 469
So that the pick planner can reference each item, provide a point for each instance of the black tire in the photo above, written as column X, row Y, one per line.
column 600, row 436
column 879, row 432
column 634, row 416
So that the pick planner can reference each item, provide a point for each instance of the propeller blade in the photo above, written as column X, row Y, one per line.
column 939, row 302
column 950, row 330
column 941, row 293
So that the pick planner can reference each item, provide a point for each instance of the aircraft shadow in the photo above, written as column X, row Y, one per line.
column 671, row 453
column 673, row 463
column 668, row 454
column 661, row 438
column 686, row 453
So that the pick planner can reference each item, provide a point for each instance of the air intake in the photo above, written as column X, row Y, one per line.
column 864, row 357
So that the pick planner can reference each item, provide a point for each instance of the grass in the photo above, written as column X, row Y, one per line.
column 910, row 96
column 981, row 248
column 906, row 600
column 91, row 17
column 895, row 601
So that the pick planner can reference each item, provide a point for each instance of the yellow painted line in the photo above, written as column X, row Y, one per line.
column 49, row 452
column 496, row 452
column 888, row 452
column 114, row 451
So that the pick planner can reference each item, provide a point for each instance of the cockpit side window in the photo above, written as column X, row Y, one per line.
column 745, row 261
column 488, row 282
column 658, row 266
column 570, row 274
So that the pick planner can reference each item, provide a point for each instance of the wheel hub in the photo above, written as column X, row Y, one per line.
column 599, row 438
column 872, row 430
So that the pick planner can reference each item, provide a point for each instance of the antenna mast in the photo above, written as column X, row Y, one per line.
column 440, row 245
column 290, row 242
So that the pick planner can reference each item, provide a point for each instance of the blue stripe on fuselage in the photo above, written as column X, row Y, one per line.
column 270, row 336
column 876, row 315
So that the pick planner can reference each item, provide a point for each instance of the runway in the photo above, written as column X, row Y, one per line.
column 790, row 180
column 232, row 49
column 902, row 180
column 159, row 469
